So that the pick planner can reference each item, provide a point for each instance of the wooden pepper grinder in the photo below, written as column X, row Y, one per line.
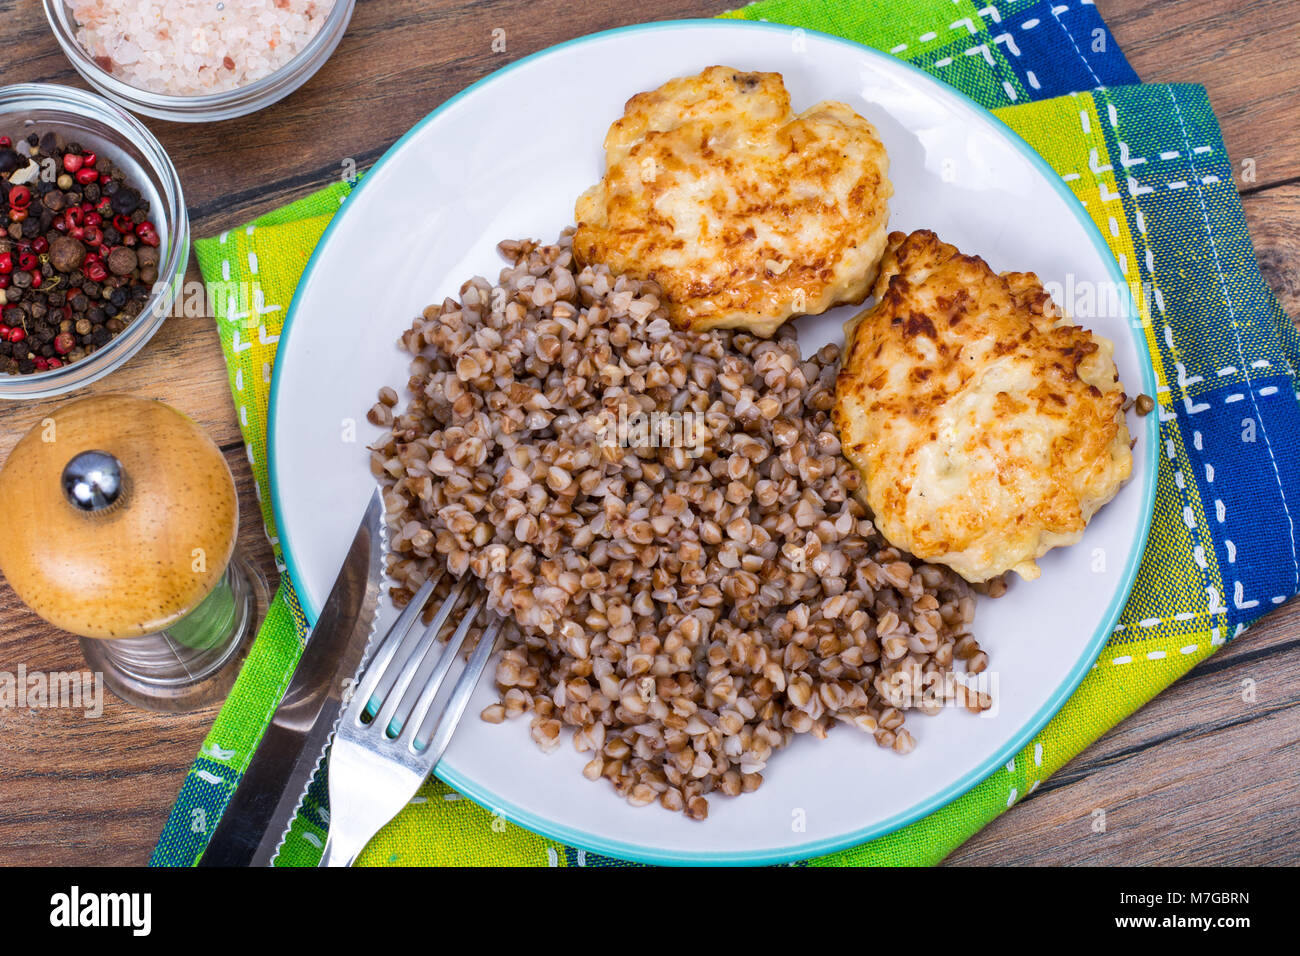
column 119, row 526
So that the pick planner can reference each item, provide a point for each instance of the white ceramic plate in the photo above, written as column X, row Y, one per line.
column 507, row 158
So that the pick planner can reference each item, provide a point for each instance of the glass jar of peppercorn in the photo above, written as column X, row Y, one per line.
column 93, row 239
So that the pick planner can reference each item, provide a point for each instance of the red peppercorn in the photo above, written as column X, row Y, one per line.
column 52, row 364
column 105, row 207
column 75, row 216
column 104, row 251
column 41, row 364
column 76, row 232
column 20, row 197
column 72, row 162
column 17, row 335
column 93, row 219
column 64, row 343
column 87, row 206
column 124, row 225
column 6, row 262
column 95, row 271
column 92, row 235
column 5, row 142
column 90, row 158
column 40, row 245
column 4, row 281
column 37, row 280
column 27, row 262
column 86, row 176
column 103, row 179
column 147, row 233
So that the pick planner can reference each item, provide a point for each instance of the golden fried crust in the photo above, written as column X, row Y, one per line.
column 742, row 212
column 987, row 428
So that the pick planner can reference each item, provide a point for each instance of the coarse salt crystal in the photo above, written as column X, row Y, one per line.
column 193, row 47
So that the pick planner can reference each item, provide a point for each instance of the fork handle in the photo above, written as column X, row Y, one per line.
column 333, row 856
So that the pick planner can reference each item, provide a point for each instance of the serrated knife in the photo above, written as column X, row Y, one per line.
column 271, row 789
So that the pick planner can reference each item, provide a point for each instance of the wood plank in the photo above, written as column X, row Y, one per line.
column 1274, row 220
column 1243, row 53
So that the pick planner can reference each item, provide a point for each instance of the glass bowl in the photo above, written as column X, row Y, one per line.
column 91, row 120
column 209, row 107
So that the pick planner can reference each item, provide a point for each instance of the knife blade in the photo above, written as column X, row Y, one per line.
column 269, row 793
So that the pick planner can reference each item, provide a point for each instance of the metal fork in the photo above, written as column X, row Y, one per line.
column 391, row 736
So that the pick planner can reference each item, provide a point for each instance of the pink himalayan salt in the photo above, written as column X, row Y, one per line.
column 193, row 47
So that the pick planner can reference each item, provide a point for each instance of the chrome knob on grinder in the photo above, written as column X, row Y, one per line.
column 92, row 480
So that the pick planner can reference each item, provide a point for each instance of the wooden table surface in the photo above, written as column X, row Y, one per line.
column 1200, row 775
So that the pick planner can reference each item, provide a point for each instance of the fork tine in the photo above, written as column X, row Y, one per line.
column 387, row 696
column 424, row 689
column 434, row 683
column 386, row 676
column 448, row 718
column 393, row 640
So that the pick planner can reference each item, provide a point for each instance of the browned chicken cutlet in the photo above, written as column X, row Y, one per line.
column 742, row 212
column 987, row 426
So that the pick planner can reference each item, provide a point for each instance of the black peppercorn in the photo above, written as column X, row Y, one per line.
column 125, row 201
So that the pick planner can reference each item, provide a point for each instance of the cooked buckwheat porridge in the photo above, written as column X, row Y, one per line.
column 666, row 522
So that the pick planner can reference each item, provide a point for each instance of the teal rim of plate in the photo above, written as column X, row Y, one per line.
column 640, row 854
